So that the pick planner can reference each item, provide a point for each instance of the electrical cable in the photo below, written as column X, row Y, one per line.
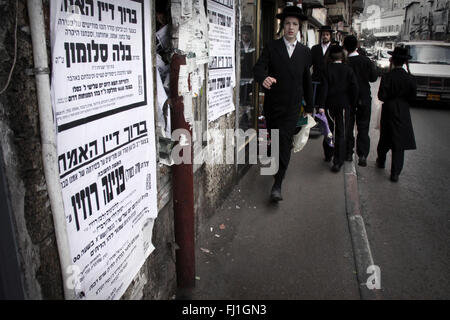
column 15, row 51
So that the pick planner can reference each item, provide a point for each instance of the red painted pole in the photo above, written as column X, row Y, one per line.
column 183, row 188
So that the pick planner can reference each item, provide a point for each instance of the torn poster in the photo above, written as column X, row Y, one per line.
column 193, row 33
column 163, row 108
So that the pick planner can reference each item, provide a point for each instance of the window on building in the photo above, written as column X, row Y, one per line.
column 247, row 46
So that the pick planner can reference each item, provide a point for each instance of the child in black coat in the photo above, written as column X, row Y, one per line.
column 338, row 93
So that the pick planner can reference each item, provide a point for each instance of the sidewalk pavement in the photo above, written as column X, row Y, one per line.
column 300, row 248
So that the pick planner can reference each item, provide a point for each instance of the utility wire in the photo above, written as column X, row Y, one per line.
column 15, row 51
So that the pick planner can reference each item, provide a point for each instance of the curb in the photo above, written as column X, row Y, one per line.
column 360, row 242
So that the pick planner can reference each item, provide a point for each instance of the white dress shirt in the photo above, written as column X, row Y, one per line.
column 290, row 46
column 246, row 46
column 325, row 47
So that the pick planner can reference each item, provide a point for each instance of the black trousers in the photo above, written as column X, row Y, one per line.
column 338, row 122
column 287, row 129
column 362, row 118
column 398, row 157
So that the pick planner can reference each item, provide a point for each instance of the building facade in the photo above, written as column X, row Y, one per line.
column 426, row 20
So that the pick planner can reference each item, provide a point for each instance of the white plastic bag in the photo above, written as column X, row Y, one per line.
column 301, row 138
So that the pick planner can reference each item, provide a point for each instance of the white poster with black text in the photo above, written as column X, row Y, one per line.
column 102, row 97
column 221, row 75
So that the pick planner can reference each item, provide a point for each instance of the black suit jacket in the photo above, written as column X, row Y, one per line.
column 293, row 77
column 365, row 72
column 318, row 60
column 339, row 87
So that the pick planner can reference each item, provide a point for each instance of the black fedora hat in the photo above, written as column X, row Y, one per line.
column 292, row 11
column 327, row 29
column 400, row 52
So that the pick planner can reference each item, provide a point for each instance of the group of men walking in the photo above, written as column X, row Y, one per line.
column 343, row 94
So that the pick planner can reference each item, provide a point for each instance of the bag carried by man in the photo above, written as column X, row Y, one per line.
column 301, row 138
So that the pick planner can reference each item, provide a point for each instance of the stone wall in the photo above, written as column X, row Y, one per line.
column 20, row 141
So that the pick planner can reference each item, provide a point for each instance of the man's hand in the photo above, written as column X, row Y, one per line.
column 268, row 82
column 321, row 110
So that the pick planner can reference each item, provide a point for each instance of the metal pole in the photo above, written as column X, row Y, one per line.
column 257, row 49
column 48, row 139
column 183, row 188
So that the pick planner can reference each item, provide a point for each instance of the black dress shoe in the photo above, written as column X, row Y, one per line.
column 349, row 157
column 362, row 161
column 336, row 167
column 380, row 164
column 275, row 195
column 394, row 177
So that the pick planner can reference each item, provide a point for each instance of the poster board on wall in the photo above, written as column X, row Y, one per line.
column 102, row 97
column 221, row 71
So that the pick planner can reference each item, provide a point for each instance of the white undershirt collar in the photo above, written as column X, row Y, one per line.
column 290, row 46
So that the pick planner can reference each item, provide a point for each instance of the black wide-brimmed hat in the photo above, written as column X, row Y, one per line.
column 292, row 11
column 327, row 29
column 400, row 52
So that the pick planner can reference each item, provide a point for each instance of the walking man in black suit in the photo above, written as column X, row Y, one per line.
column 283, row 71
column 319, row 51
column 365, row 72
column 337, row 96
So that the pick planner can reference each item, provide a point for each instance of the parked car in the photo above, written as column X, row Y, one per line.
column 370, row 52
column 430, row 64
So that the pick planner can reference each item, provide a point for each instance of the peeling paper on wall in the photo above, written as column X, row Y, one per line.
column 183, row 86
column 191, row 29
column 186, row 9
column 188, row 113
column 175, row 9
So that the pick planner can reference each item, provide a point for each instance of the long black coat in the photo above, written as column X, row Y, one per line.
column 282, row 102
column 397, row 90
column 318, row 60
column 339, row 87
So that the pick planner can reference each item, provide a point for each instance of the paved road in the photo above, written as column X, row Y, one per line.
column 408, row 223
